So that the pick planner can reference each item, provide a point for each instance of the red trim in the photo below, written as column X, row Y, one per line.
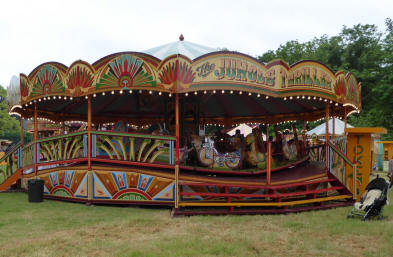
column 62, row 187
column 268, row 161
column 60, row 162
column 247, row 173
column 35, row 137
column 177, row 130
column 260, row 187
column 141, row 135
column 300, row 193
column 327, row 137
column 131, row 190
column 89, row 133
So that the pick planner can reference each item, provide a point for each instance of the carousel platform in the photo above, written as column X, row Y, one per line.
column 304, row 187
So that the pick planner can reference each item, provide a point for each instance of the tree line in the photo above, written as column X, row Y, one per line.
column 363, row 50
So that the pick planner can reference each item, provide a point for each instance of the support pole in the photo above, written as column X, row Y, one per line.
column 267, row 132
column 62, row 128
column 89, row 170
column 20, row 154
column 345, row 117
column 197, row 116
column 21, row 131
column 89, row 132
column 269, row 158
column 177, row 160
column 334, row 127
column 35, row 137
column 327, row 137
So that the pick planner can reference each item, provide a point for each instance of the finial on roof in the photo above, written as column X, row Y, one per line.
column 181, row 38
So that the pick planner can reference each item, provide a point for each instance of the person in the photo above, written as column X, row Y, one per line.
column 390, row 171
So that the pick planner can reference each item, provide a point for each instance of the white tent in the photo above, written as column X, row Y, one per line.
column 321, row 129
column 244, row 129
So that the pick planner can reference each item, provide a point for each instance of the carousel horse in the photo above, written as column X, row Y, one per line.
column 209, row 156
column 223, row 143
column 293, row 149
column 289, row 149
column 255, row 154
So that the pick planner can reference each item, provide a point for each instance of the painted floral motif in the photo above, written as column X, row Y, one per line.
column 352, row 89
column 340, row 88
column 179, row 72
column 126, row 72
column 80, row 78
column 47, row 82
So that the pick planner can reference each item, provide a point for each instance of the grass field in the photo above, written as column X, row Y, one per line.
column 55, row 228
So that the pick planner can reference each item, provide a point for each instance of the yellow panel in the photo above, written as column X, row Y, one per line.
column 366, row 130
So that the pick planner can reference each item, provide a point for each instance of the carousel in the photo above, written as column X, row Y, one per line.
column 152, row 131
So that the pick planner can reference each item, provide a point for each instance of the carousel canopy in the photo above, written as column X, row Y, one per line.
column 213, row 87
column 13, row 91
column 339, row 127
column 191, row 50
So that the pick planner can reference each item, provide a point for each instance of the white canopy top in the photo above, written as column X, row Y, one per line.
column 338, row 130
column 191, row 50
column 244, row 129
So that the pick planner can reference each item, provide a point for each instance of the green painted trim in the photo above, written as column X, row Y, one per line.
column 132, row 135
column 62, row 136
column 10, row 152
column 28, row 145
column 334, row 148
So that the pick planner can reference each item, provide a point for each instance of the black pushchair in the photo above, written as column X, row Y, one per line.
column 373, row 200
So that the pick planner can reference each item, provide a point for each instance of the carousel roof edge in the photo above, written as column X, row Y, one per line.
column 113, row 55
column 54, row 63
column 229, row 71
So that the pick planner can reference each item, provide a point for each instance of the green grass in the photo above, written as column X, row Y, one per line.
column 55, row 228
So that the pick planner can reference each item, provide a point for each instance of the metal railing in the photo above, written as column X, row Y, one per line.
column 317, row 153
column 133, row 148
column 337, row 164
column 107, row 146
column 62, row 148
column 12, row 160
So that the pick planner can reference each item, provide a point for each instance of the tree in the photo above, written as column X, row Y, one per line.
column 9, row 126
column 362, row 50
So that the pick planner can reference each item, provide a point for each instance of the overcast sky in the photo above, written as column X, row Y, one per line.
column 33, row 32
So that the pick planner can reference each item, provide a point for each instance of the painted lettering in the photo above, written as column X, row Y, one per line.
column 241, row 70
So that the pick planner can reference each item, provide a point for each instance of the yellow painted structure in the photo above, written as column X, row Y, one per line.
column 359, row 149
column 1, row 156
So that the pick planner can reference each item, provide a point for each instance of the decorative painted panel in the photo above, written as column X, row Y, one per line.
column 178, row 74
column 132, row 186
column 66, row 183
